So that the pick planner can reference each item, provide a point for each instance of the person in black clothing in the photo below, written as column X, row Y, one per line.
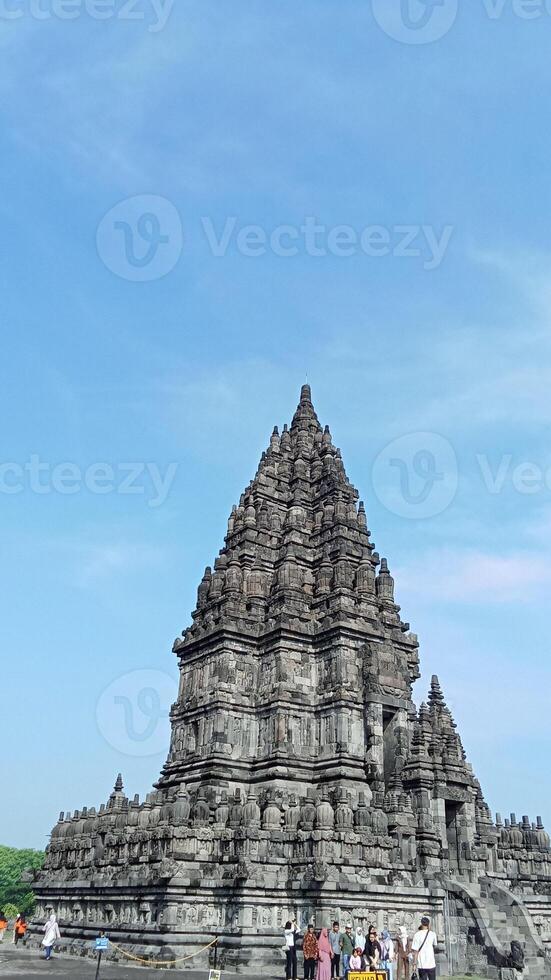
column 372, row 951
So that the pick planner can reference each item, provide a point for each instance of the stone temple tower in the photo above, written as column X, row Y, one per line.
column 301, row 779
column 296, row 673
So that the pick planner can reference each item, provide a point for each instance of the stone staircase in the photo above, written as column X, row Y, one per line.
column 504, row 930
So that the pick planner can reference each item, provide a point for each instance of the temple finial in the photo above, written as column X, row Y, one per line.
column 118, row 788
column 305, row 416
column 435, row 695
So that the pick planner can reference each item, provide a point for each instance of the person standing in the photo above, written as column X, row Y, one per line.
column 372, row 949
column 51, row 934
column 347, row 949
column 3, row 926
column 310, row 950
column 335, row 937
column 422, row 948
column 20, row 928
column 291, row 931
column 325, row 955
column 387, row 953
column 359, row 939
column 403, row 951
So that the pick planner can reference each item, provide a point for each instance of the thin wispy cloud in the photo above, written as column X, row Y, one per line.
column 465, row 577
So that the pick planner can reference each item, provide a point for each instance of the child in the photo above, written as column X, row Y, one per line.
column 356, row 959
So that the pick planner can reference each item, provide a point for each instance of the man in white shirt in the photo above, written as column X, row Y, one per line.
column 422, row 948
column 291, row 933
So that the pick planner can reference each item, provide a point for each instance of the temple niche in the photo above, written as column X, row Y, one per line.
column 284, row 795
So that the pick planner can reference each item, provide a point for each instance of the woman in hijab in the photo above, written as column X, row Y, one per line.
column 387, row 953
column 51, row 933
column 372, row 952
column 325, row 954
column 359, row 939
column 403, row 950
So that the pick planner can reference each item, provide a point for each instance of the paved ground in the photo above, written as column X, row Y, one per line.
column 28, row 964
column 25, row 964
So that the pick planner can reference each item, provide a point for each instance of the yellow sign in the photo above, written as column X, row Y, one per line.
column 380, row 975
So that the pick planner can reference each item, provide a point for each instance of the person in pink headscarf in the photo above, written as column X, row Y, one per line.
column 325, row 956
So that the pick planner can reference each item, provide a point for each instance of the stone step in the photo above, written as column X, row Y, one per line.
column 501, row 922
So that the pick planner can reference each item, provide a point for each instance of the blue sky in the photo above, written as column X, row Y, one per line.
column 268, row 115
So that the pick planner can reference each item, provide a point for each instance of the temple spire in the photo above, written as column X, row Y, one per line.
column 305, row 416
column 436, row 698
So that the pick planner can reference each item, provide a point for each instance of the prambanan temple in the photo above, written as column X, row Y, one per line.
column 301, row 779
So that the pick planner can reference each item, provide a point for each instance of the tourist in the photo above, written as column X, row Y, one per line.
column 387, row 953
column 347, row 949
column 20, row 928
column 17, row 918
column 356, row 959
column 51, row 933
column 359, row 939
column 403, row 952
column 335, row 940
column 3, row 926
column 325, row 955
column 422, row 948
column 372, row 952
column 310, row 950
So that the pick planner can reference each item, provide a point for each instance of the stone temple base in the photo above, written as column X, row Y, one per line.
column 476, row 923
